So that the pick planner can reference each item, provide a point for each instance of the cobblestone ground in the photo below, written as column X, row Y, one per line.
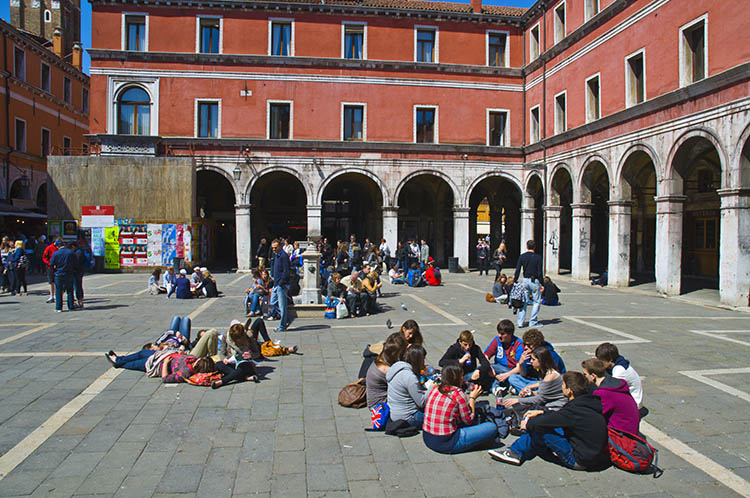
column 72, row 426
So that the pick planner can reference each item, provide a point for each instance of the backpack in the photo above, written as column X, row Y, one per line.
column 379, row 416
column 354, row 395
column 23, row 262
column 632, row 453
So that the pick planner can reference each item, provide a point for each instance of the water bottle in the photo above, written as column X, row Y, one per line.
column 221, row 339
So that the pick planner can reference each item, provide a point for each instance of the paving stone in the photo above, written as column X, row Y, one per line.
column 326, row 477
column 289, row 485
column 289, row 442
column 253, row 478
column 180, row 479
column 366, row 489
column 323, row 450
column 258, row 446
column 360, row 468
column 289, row 462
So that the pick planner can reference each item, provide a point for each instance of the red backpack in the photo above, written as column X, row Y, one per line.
column 632, row 453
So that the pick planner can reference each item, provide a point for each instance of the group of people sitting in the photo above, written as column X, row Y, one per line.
column 210, row 358
column 560, row 416
column 200, row 284
column 416, row 276
column 506, row 290
column 358, row 291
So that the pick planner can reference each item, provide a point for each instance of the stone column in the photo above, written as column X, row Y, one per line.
column 619, row 243
column 390, row 228
column 461, row 236
column 734, row 251
column 552, row 254
column 527, row 228
column 314, row 215
column 669, row 215
column 310, row 288
column 242, row 237
column 581, row 243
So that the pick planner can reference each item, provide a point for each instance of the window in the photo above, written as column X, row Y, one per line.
column 20, row 135
column 497, row 49
column 135, row 33
column 85, row 149
column 281, row 38
column 354, row 41
column 67, row 90
column 46, row 83
column 426, row 45
column 534, row 43
column 280, row 120
column 425, row 120
column 353, row 122
column 593, row 105
column 208, row 113
column 635, row 78
column 47, row 16
column 67, row 146
column 591, row 8
column 209, row 35
column 534, row 125
column 497, row 127
column 693, row 52
column 46, row 141
column 85, row 100
column 19, row 64
column 559, row 22
column 134, row 112
column 561, row 121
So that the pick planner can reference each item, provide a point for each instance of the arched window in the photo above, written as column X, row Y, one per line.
column 47, row 16
column 134, row 112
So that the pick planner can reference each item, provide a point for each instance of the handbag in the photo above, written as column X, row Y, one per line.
column 489, row 298
column 353, row 395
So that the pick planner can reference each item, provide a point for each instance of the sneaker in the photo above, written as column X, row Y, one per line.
column 51, row 300
column 280, row 329
column 58, row 311
column 499, row 391
column 513, row 391
column 506, row 456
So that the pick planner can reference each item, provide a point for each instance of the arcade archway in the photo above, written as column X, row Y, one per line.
column 503, row 197
column 638, row 185
column 215, row 206
column 535, row 201
column 352, row 205
column 426, row 212
column 595, row 192
column 560, row 237
column 278, row 208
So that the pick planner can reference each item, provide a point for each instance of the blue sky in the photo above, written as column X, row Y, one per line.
column 86, row 19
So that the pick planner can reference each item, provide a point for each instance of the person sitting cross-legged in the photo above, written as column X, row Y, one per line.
column 574, row 437
column 475, row 365
column 618, row 406
column 532, row 339
column 505, row 352
column 620, row 368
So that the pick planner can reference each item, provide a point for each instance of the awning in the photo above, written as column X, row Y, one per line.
column 23, row 214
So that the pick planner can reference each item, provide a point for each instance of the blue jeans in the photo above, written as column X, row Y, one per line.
column 519, row 381
column 474, row 435
column 181, row 325
column 135, row 361
column 63, row 282
column 532, row 293
column 549, row 445
column 78, row 286
column 416, row 420
column 278, row 299
column 254, row 302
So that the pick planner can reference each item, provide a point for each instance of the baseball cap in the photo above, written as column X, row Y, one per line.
column 183, row 271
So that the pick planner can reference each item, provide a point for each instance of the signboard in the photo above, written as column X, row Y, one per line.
column 97, row 216
column 97, row 241
column 112, row 248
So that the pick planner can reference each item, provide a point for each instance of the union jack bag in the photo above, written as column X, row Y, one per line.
column 379, row 416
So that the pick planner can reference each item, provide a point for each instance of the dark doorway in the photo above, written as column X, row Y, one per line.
column 215, row 198
column 352, row 205
column 504, row 200
column 278, row 208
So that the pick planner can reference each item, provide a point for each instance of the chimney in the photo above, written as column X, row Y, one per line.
column 77, row 55
column 476, row 6
column 57, row 42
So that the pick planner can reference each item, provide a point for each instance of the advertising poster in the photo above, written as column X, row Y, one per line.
column 187, row 240
column 112, row 248
column 153, row 245
column 97, row 241
column 168, row 244
column 53, row 229
column 180, row 244
column 70, row 229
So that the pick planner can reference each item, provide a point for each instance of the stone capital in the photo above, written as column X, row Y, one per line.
column 241, row 209
column 527, row 211
column 390, row 211
column 461, row 212
column 552, row 210
column 581, row 210
column 674, row 199
column 620, row 202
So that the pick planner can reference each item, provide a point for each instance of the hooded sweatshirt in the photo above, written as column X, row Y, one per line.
column 618, row 406
column 623, row 370
column 584, row 426
column 406, row 395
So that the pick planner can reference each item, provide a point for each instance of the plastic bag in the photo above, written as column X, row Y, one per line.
column 341, row 311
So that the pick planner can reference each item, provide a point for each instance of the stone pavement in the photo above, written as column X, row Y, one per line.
column 72, row 426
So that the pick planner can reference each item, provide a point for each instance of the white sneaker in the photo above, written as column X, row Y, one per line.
column 506, row 456
column 51, row 299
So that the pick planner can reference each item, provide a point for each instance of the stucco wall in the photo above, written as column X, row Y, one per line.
column 146, row 189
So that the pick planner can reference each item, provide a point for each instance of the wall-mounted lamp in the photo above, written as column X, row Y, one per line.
column 237, row 173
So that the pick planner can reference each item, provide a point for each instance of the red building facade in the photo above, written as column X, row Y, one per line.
column 614, row 131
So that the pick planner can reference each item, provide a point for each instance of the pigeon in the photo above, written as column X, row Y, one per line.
column 389, row 324
column 403, row 306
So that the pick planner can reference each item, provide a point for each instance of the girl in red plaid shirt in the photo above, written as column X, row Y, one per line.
column 449, row 416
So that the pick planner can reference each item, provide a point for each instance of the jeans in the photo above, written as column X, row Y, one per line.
column 207, row 345
column 352, row 300
column 278, row 298
column 78, row 286
column 254, row 302
column 474, row 435
column 532, row 292
column 20, row 280
column 135, row 361
column 259, row 327
column 519, row 381
column 63, row 282
column 416, row 420
column 181, row 325
column 484, row 266
column 549, row 445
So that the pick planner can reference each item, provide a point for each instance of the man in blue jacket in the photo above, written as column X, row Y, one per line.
column 531, row 264
column 64, row 262
column 280, row 284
